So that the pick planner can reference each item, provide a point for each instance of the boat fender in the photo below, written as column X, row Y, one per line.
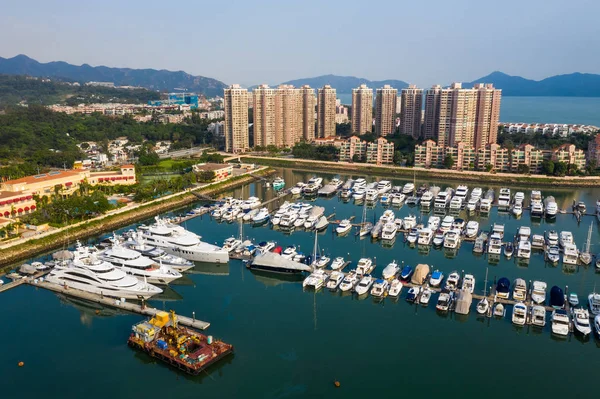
column 337, row 384
column 21, row 364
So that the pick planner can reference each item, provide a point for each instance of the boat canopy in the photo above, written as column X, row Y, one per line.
column 463, row 303
column 520, row 283
column 276, row 261
column 379, row 281
column 436, row 274
column 421, row 272
column 557, row 297
column 503, row 285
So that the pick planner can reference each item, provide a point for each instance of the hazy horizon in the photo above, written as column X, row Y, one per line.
column 272, row 42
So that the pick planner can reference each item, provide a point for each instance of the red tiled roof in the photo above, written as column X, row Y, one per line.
column 60, row 174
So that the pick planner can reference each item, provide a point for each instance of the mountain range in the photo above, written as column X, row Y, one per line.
column 161, row 80
column 569, row 85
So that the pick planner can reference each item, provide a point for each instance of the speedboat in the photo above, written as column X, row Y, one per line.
column 390, row 271
column 519, row 314
column 517, row 209
column 452, row 281
column 498, row 310
column 406, row 273
column 315, row 280
column 321, row 261
column 508, row 249
column 560, row 322
column 597, row 325
column 338, row 263
column 524, row 250
column 344, row 227
column 538, row 316
column 389, row 231
column 472, row 228
column 468, row 283
column 445, row 301
column 335, row 279
column 364, row 285
column 503, row 288
column 289, row 252
column 413, row 236
column 349, row 281
column 520, row 290
column 447, row 222
column 573, row 299
column 438, row 239
column 436, row 278
column 594, row 303
column 553, row 254
column 425, row 296
column 364, row 266
column 581, row 322
column 380, row 287
column 452, row 240
column 483, row 306
column 413, row 293
column 552, row 237
column 538, row 292
column 408, row 189
column 395, row 288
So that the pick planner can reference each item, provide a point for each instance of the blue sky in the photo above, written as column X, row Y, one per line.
column 250, row 42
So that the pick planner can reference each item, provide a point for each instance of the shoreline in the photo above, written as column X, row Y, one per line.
column 103, row 223
column 445, row 174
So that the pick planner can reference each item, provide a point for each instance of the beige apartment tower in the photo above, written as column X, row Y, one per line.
column 488, row 114
column 362, row 110
column 326, row 111
column 264, row 116
column 307, row 120
column 288, row 115
column 410, row 111
column 235, row 102
column 385, row 110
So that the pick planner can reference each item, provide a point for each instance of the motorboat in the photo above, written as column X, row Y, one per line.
column 498, row 310
column 385, row 199
column 426, row 199
column 338, row 263
column 176, row 262
column 408, row 189
column 299, row 222
column 472, row 204
column 483, row 306
column 456, row 204
column 395, row 288
column 538, row 241
column 359, row 194
column 524, row 233
column 445, row 301
column 231, row 243
column 398, row 199
column 551, row 207
column 311, row 221
column 519, row 314
column 346, row 193
column 594, row 303
column 459, row 224
column 480, row 243
column 581, row 322
column 597, row 326
column 538, row 292
column 504, row 197
column 537, row 210
column 446, row 223
column 318, row 181
column 468, row 283
column 425, row 296
column 517, row 209
column 409, row 222
column 452, row 281
column 508, row 250
column 538, row 316
column 247, row 217
column 364, row 285
column 406, row 273
column 438, row 238
column 495, row 244
column 321, row 261
column 570, row 254
column 412, row 236
column 524, row 250
column 520, row 290
column 390, row 271
column 442, row 200
column 251, row 203
column 380, row 288
column 364, row 266
column 266, row 246
column 552, row 237
column 503, row 288
column 288, row 220
column 580, row 207
column 384, row 186
column 278, row 183
column 297, row 189
column 485, row 206
column 372, row 195
column 573, row 299
column 436, row 278
column 425, row 236
column 344, row 227
column 311, row 189
column 560, row 322
column 452, row 240
column 289, row 252
column 413, row 293
column 322, row 223
column 433, row 223
column 335, row 279
column 349, row 281
column 566, row 237
column 315, row 280
column 413, row 200
column 472, row 228
column 389, row 231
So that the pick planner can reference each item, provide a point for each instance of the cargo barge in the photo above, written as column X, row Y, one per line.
column 186, row 349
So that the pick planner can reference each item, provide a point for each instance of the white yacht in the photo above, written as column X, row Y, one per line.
column 462, row 191
column 538, row 241
column 380, row 288
column 335, row 279
column 395, row 288
column 519, row 197
column 551, row 206
column 468, row 283
column 495, row 244
column 519, row 314
column 476, row 193
column 425, row 236
column 442, row 200
column 349, row 281
column 498, row 229
column 101, row 278
column 485, row 205
column 412, row 236
column 364, row 285
column 438, row 238
column 552, row 254
column 570, row 254
column 594, row 303
column 552, row 238
column 251, row 203
column 398, row 199
column 176, row 262
column 472, row 204
column 389, row 231
column 178, row 241
column 384, row 186
column 388, row 216
column 359, row 183
column 433, row 223
column 581, row 322
column 344, row 227
column 426, row 199
column 520, row 290
column 409, row 222
column 316, row 181
column 288, row 220
column 298, row 188
column 359, row 194
column 560, row 322
column 289, row 252
column 517, row 209
column 452, row 281
column 134, row 263
column 446, row 223
column 408, row 189
column 538, row 292
column 524, row 250
column 536, row 196
column 472, row 228
column 452, row 239
column 364, row 266
column 445, row 301
column 538, row 316
column 311, row 222
column 537, row 210
column 390, row 271
column 425, row 296
column 315, row 280
column 372, row 195
column 338, row 263
column 504, row 197
column 524, row 233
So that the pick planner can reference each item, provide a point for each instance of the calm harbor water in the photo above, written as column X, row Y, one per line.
column 581, row 110
column 291, row 343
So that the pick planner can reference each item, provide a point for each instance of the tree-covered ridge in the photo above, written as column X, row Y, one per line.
column 23, row 89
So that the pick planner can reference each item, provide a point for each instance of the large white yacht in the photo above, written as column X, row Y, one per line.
column 452, row 239
column 178, row 241
column 90, row 274
column 462, row 191
column 372, row 195
column 132, row 262
column 408, row 189
column 504, row 197
column 565, row 237
column 389, row 231
column 442, row 200
column 425, row 236
column 495, row 244
column 426, row 199
column 524, row 249
column 560, row 322
column 570, row 254
column 384, row 186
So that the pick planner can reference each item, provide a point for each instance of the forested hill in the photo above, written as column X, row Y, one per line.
column 16, row 89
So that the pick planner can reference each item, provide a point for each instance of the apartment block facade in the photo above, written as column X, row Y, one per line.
column 327, row 111
column 264, row 116
column 307, row 120
column 593, row 154
column 411, row 105
column 362, row 110
column 235, row 103
column 385, row 110
column 378, row 152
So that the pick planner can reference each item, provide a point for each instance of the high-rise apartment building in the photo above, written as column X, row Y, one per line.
column 236, row 119
column 326, row 111
column 264, row 116
column 307, row 120
column 410, row 111
column 385, row 110
column 288, row 114
column 362, row 110
column 456, row 115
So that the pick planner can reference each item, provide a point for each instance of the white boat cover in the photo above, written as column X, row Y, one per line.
column 463, row 303
column 274, row 260
column 420, row 274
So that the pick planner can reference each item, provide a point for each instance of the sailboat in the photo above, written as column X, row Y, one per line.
column 321, row 261
column 483, row 305
column 365, row 227
column 586, row 256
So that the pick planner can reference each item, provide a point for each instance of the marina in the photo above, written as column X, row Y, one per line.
column 271, row 314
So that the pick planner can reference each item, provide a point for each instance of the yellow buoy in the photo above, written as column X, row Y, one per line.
column 97, row 311
column 337, row 384
column 21, row 364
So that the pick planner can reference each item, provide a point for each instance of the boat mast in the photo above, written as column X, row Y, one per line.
column 315, row 249
column 589, row 238
column 485, row 285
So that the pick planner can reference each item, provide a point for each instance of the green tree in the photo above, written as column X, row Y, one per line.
column 523, row 169
column 560, row 169
column 448, row 161
column 205, row 176
column 548, row 167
